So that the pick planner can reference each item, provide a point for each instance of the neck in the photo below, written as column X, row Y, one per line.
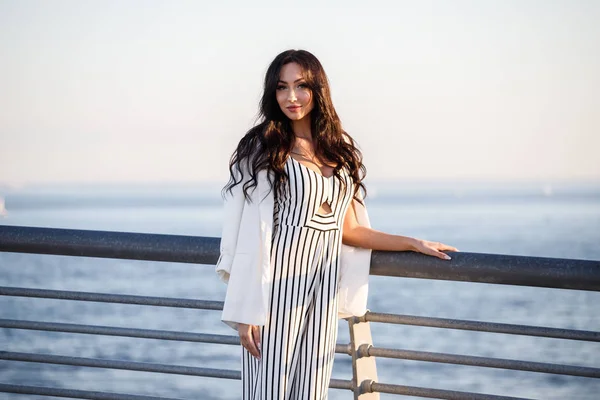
column 301, row 128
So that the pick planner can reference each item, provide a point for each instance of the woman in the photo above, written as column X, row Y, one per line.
column 296, row 241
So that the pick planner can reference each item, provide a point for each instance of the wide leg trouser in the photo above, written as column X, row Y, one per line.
column 299, row 337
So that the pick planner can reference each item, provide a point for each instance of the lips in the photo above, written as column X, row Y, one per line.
column 294, row 108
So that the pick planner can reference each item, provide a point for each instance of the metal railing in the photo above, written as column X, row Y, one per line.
column 471, row 267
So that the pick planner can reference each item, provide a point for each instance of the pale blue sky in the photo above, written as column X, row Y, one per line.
column 161, row 91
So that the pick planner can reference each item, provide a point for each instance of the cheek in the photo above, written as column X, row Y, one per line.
column 305, row 97
column 281, row 98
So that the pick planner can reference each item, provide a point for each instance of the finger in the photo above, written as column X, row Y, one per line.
column 447, row 247
column 433, row 252
column 442, row 247
column 441, row 255
column 256, row 335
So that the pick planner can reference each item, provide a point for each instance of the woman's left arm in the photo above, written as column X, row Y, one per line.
column 357, row 235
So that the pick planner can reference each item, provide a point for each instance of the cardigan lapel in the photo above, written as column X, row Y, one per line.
column 266, row 199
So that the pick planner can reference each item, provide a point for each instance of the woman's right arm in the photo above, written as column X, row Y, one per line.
column 368, row 238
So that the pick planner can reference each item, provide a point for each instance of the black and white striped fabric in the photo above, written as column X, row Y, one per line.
column 299, row 336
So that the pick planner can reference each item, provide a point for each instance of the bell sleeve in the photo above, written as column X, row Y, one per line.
column 233, row 208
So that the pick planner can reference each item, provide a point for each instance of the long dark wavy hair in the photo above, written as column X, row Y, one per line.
column 268, row 144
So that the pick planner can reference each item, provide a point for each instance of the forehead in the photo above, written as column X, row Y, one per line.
column 291, row 72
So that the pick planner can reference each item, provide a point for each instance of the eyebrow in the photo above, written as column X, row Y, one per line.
column 297, row 80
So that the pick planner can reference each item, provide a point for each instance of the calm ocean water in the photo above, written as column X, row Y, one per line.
column 523, row 219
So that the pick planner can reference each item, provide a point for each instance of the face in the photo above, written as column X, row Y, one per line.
column 293, row 95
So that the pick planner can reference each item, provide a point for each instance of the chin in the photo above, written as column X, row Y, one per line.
column 295, row 117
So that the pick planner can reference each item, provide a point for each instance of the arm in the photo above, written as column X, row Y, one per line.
column 362, row 236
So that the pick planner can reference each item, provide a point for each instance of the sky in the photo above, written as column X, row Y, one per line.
column 161, row 91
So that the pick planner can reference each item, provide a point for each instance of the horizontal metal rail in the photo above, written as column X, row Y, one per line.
column 369, row 316
column 86, row 394
column 132, row 332
column 487, row 362
column 368, row 387
column 341, row 384
column 119, row 364
column 468, row 267
column 491, row 268
column 107, row 244
column 138, row 366
column 432, row 393
column 112, row 298
column 511, row 329
column 123, row 332
column 75, row 394
column 91, row 395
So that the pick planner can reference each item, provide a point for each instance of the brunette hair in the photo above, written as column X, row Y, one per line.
column 267, row 145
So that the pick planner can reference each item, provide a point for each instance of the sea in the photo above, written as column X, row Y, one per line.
column 549, row 220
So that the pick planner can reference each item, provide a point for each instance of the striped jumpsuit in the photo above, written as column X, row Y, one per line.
column 298, row 339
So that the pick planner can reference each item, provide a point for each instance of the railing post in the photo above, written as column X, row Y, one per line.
column 364, row 370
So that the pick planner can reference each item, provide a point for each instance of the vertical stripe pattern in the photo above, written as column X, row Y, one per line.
column 299, row 336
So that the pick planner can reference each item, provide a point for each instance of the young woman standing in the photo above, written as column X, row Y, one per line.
column 296, row 241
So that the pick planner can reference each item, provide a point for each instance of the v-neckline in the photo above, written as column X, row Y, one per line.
column 310, row 169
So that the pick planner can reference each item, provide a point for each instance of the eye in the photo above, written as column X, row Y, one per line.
column 303, row 85
column 281, row 87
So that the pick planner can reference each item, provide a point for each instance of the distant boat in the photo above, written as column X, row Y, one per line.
column 3, row 211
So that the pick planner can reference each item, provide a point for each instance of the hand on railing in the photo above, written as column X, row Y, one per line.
column 433, row 248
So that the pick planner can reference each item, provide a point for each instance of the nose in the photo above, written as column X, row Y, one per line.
column 292, row 95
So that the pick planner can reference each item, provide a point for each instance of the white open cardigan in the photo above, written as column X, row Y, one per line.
column 245, row 260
